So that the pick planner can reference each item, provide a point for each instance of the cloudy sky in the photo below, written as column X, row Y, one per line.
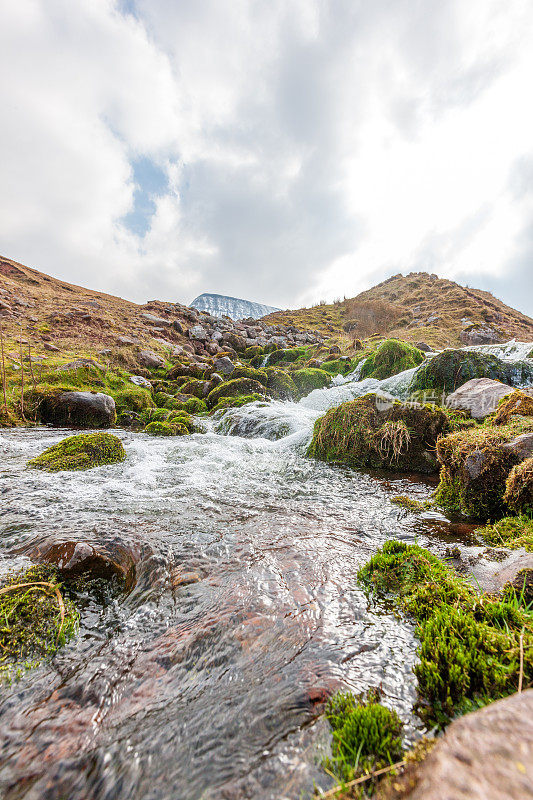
column 279, row 150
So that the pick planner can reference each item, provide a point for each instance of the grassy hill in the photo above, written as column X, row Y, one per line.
column 416, row 307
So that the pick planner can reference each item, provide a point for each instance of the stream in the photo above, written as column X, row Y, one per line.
column 209, row 687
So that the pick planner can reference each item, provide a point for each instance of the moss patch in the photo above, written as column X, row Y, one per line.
column 85, row 451
column 512, row 532
column 174, row 428
column 259, row 375
column 280, row 384
column 233, row 388
column 519, row 488
column 366, row 735
column 410, row 504
column 36, row 619
column 469, row 644
column 390, row 358
column 450, row 369
column 362, row 433
column 236, row 402
column 195, row 406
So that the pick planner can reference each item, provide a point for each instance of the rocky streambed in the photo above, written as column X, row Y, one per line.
column 203, row 673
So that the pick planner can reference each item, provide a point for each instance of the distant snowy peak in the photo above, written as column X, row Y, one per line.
column 219, row 304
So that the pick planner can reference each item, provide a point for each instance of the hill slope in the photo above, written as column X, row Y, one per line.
column 417, row 307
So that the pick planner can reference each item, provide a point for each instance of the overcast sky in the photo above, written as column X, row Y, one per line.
column 283, row 151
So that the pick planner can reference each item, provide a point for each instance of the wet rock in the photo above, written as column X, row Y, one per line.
column 150, row 360
column 480, row 397
column 82, row 558
column 76, row 409
column 485, row 755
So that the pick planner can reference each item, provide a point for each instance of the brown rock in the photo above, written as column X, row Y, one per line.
column 480, row 397
column 486, row 755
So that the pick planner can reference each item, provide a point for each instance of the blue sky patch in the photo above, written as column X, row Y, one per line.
column 150, row 182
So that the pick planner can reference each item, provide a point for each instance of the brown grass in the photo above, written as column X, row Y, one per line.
column 367, row 317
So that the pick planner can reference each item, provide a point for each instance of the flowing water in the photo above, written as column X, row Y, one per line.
column 208, row 686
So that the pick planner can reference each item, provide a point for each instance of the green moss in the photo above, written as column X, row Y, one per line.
column 309, row 378
column 166, row 429
column 512, row 532
column 519, row 488
column 132, row 398
column 259, row 375
column 366, row 735
column 156, row 415
column 31, row 624
column 339, row 366
column 469, row 649
column 195, row 406
column 288, row 355
column 364, row 433
column 280, row 384
column 85, row 451
column 236, row 402
column 181, row 417
column 516, row 404
column 194, row 387
column 410, row 504
column 452, row 368
column 390, row 358
column 233, row 388
column 475, row 468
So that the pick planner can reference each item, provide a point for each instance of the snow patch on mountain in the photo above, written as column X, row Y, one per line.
column 219, row 304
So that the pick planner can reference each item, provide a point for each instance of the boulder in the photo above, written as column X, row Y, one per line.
column 479, row 333
column 138, row 380
column 425, row 348
column 150, row 360
column 151, row 319
column 519, row 403
column 484, row 755
column 224, row 365
column 447, row 371
column 379, row 433
column 480, row 397
column 85, row 451
column 127, row 340
column 519, row 488
column 233, row 388
column 76, row 409
column 390, row 358
column 198, row 332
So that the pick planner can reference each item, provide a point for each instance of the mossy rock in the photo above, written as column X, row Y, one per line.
column 184, row 371
column 133, row 398
column 390, row 358
column 449, row 370
column 195, row 387
column 233, row 388
column 469, row 652
column 475, row 466
column 237, row 402
column 36, row 619
column 84, row 451
column 259, row 375
column 161, row 398
column 195, row 406
column 380, row 434
column 288, row 354
column 519, row 488
column 181, row 417
column 253, row 351
column 166, row 429
column 338, row 366
column 156, row 415
column 516, row 404
column 280, row 384
column 64, row 407
column 309, row 379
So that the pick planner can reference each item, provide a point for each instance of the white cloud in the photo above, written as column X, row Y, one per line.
column 312, row 146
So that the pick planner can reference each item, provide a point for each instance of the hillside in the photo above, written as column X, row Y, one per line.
column 416, row 307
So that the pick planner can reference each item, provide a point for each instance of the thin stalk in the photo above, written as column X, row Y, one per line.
column 31, row 367
column 21, row 377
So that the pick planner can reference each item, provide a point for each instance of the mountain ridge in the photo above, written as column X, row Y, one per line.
column 235, row 307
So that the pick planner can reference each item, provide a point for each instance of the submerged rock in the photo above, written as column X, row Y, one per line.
column 485, row 755
column 85, row 451
column 76, row 409
column 480, row 397
column 381, row 435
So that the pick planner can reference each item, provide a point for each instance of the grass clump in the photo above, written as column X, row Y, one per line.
column 390, row 358
column 366, row 735
column 469, row 643
column 35, row 619
column 410, row 504
column 366, row 433
column 512, row 532
column 84, row 451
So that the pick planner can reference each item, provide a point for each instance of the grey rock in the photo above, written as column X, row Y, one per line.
column 127, row 340
column 224, row 365
column 150, row 359
column 479, row 396
column 198, row 332
column 424, row 347
column 138, row 380
column 77, row 409
column 152, row 319
column 521, row 446
column 480, row 335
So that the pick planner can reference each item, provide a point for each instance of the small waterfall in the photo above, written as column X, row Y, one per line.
column 510, row 351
